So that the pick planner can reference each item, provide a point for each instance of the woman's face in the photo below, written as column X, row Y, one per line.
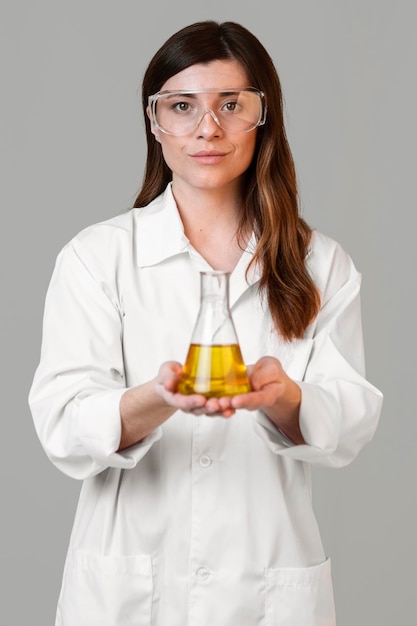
column 208, row 157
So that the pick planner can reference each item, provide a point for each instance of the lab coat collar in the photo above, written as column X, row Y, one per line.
column 159, row 231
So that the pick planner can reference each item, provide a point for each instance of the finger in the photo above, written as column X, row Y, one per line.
column 180, row 401
column 212, row 405
column 268, row 374
column 169, row 375
column 256, row 399
column 225, row 414
column 219, row 404
column 225, row 403
column 171, row 383
column 190, row 403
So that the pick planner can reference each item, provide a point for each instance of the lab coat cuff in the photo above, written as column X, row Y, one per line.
column 273, row 436
column 99, row 427
column 320, row 419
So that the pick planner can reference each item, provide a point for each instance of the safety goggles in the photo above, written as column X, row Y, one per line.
column 181, row 112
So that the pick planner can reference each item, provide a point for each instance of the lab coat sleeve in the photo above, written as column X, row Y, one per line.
column 340, row 408
column 80, row 379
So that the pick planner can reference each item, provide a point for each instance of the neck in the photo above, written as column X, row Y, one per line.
column 211, row 219
column 213, row 208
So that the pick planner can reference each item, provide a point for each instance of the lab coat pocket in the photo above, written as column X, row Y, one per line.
column 106, row 590
column 293, row 355
column 300, row 596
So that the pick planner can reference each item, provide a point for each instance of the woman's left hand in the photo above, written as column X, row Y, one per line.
column 274, row 393
column 270, row 386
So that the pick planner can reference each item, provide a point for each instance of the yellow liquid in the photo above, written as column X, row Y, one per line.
column 214, row 371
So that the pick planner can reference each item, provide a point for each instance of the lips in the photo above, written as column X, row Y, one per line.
column 203, row 153
column 208, row 157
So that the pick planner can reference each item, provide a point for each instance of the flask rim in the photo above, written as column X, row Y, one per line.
column 215, row 273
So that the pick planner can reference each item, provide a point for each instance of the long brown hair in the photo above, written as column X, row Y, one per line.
column 270, row 196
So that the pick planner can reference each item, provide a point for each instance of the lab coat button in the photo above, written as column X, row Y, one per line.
column 205, row 461
column 202, row 573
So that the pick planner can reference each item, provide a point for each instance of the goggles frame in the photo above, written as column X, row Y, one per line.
column 153, row 100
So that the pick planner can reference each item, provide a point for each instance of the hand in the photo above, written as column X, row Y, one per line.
column 270, row 385
column 166, row 387
column 147, row 406
column 276, row 394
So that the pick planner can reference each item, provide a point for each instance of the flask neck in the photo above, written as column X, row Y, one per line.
column 214, row 323
column 215, row 287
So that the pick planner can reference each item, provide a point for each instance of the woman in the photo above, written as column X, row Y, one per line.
column 194, row 510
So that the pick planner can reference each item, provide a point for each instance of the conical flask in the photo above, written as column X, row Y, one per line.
column 214, row 366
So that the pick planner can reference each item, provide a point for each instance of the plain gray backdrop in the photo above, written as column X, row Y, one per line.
column 72, row 153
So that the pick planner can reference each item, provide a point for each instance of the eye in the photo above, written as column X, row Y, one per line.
column 181, row 107
column 230, row 107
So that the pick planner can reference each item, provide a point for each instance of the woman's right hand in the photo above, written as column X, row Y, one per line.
column 145, row 407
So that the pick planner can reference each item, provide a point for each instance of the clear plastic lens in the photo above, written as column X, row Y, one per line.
column 179, row 113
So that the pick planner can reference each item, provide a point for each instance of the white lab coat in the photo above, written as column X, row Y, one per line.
column 206, row 522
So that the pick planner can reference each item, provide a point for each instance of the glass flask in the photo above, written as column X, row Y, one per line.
column 214, row 366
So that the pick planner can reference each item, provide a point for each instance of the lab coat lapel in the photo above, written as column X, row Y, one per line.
column 239, row 281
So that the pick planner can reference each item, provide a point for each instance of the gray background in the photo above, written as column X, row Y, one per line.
column 72, row 151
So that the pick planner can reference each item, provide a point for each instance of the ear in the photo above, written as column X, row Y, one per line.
column 154, row 130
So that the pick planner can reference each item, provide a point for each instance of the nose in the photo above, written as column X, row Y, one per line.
column 208, row 124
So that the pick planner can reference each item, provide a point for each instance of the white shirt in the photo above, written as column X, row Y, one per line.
column 208, row 521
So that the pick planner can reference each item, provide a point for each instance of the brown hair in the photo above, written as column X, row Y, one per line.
column 270, row 196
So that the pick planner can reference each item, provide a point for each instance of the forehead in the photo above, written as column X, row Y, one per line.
column 214, row 75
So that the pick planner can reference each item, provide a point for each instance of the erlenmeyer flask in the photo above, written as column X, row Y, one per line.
column 214, row 366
